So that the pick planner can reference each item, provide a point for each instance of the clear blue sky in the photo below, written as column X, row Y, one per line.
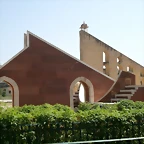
column 119, row 23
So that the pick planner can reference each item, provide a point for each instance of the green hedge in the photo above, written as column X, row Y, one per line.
column 58, row 123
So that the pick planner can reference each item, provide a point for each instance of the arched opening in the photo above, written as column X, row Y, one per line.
column 106, row 69
column 6, row 94
column 81, row 90
column 105, row 63
column 104, row 57
column 12, row 90
column 118, row 69
column 80, row 93
column 118, row 60
column 129, row 69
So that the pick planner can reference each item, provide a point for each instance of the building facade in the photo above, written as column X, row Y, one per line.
column 106, row 59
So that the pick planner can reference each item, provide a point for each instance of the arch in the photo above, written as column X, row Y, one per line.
column 88, row 83
column 15, row 89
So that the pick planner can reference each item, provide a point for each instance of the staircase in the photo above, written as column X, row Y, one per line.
column 76, row 99
column 126, row 93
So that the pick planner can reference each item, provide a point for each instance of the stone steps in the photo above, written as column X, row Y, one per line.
column 126, row 93
column 76, row 99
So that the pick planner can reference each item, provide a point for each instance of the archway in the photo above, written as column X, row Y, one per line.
column 5, row 94
column 15, row 89
column 89, row 91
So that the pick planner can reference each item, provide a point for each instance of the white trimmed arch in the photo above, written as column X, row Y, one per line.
column 88, row 83
column 15, row 88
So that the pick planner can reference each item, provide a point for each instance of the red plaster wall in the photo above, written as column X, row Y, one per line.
column 139, row 95
column 44, row 75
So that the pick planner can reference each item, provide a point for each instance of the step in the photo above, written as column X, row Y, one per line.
column 131, row 86
column 127, row 96
column 128, row 90
column 117, row 99
column 121, row 95
column 135, row 86
column 76, row 92
column 75, row 97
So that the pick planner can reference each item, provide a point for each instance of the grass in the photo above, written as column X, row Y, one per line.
column 5, row 98
column 5, row 104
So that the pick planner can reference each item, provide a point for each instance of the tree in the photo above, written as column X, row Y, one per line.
column 3, row 94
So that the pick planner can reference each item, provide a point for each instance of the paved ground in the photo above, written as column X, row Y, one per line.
column 6, row 105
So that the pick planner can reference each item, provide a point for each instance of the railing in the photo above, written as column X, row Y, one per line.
column 136, row 140
column 70, row 132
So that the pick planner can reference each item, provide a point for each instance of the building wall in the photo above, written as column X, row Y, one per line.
column 139, row 95
column 44, row 74
column 91, row 52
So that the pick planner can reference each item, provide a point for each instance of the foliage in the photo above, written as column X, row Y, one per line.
column 3, row 93
column 129, row 104
column 58, row 123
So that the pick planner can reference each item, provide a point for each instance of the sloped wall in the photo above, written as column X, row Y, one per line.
column 44, row 74
column 91, row 52
column 139, row 95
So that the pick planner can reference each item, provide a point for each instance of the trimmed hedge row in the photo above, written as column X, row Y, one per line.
column 58, row 123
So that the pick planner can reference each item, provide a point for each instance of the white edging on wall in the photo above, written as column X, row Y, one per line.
column 69, row 55
column 88, row 83
column 111, row 86
column 28, row 44
column 15, row 89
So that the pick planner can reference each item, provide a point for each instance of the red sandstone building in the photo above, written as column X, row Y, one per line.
column 42, row 73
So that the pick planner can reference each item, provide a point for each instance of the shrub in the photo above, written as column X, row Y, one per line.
column 84, row 106
column 129, row 104
column 3, row 94
column 58, row 123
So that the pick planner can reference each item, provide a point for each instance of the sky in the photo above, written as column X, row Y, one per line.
column 119, row 23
